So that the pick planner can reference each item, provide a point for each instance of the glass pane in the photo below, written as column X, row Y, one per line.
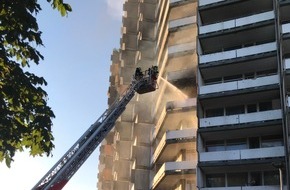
column 212, row 146
column 215, row 112
column 237, row 179
column 215, row 180
column 271, row 178
column 264, row 106
column 235, row 110
column 255, row 179
column 254, row 142
column 236, row 144
column 271, row 141
column 251, row 108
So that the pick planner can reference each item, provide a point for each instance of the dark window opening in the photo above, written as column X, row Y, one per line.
column 215, row 180
column 264, row 106
column 215, row 112
column 235, row 110
column 254, row 142
column 251, row 108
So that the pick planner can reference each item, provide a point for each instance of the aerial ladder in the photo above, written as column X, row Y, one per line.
column 57, row 177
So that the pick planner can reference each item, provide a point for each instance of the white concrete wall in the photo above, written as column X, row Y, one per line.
column 263, row 48
column 236, row 22
column 287, row 64
column 238, row 85
column 242, row 154
column 286, row 28
column 241, row 118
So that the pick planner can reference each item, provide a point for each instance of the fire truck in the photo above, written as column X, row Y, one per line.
column 57, row 177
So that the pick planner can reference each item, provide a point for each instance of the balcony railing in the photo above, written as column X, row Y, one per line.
column 182, row 22
column 236, row 22
column 180, row 48
column 207, row 2
column 188, row 103
column 172, row 167
column 241, row 118
column 286, row 28
column 242, row 154
column 287, row 64
column 239, row 85
column 242, row 52
column 172, row 135
column 267, row 187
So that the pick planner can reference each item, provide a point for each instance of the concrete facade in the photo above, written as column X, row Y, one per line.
column 243, row 82
column 220, row 118
column 153, row 143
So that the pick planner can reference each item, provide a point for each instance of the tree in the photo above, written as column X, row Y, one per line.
column 25, row 117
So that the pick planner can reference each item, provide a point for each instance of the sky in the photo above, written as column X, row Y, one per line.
column 77, row 61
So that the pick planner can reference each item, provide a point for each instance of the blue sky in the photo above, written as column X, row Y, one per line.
column 77, row 66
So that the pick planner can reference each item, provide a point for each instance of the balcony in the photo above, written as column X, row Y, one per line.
column 239, row 85
column 236, row 22
column 181, row 48
column 171, row 172
column 242, row 154
column 238, row 53
column 172, row 142
column 286, row 28
column 179, row 105
column 241, row 118
column 182, row 22
column 185, row 109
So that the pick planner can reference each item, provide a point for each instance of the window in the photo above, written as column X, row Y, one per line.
column 266, row 73
column 237, row 179
column 271, row 141
column 215, row 112
column 264, row 106
column 271, row 178
column 212, row 81
column 232, row 78
column 255, row 179
column 212, row 146
column 236, row 144
column 235, row 110
column 215, row 180
column 254, row 142
column 251, row 108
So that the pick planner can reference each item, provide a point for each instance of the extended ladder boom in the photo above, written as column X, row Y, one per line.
column 57, row 177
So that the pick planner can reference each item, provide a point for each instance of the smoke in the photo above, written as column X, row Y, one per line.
column 115, row 8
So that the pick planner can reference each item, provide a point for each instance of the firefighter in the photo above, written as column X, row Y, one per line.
column 138, row 73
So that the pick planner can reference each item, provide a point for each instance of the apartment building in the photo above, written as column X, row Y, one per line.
column 243, row 87
column 153, row 144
